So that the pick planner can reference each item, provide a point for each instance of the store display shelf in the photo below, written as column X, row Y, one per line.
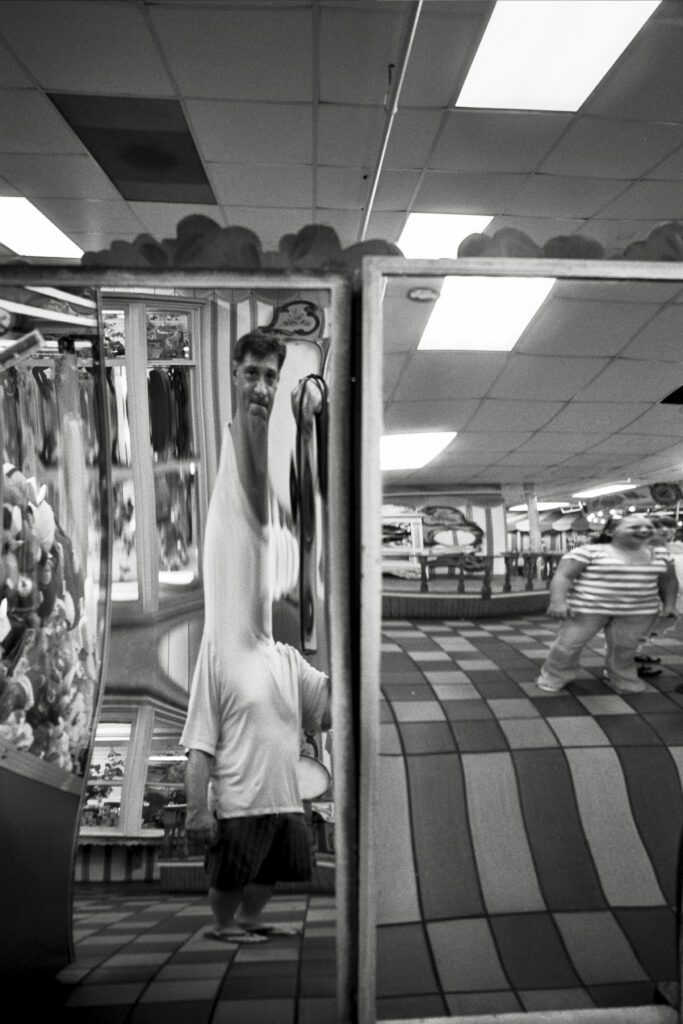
column 20, row 762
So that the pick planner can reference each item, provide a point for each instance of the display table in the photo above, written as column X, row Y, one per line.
column 105, row 855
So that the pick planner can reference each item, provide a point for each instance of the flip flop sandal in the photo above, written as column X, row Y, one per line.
column 234, row 935
column 646, row 659
column 275, row 929
column 649, row 670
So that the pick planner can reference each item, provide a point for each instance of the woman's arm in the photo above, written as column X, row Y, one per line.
column 560, row 585
column 668, row 590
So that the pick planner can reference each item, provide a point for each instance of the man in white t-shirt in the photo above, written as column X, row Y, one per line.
column 250, row 696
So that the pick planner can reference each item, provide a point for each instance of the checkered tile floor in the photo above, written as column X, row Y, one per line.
column 529, row 842
column 143, row 959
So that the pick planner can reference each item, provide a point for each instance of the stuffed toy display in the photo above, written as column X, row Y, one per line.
column 47, row 681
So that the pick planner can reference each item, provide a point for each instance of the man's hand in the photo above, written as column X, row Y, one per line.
column 200, row 825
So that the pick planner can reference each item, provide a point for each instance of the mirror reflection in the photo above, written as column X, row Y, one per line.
column 528, row 836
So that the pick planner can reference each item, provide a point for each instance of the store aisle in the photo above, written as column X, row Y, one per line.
column 142, row 958
column 528, row 842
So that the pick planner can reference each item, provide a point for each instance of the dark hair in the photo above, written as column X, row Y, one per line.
column 261, row 342
column 662, row 519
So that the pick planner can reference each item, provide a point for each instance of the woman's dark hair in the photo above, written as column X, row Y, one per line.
column 261, row 342
column 605, row 535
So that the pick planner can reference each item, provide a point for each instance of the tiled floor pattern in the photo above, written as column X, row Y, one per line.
column 528, row 842
column 143, row 959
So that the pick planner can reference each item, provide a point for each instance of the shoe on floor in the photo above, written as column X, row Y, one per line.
column 625, row 688
column 234, row 935
column 647, row 659
column 550, row 685
column 649, row 670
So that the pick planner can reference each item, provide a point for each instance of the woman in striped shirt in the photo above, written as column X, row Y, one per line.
column 620, row 587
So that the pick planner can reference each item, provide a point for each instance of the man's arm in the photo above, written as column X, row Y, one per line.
column 200, row 823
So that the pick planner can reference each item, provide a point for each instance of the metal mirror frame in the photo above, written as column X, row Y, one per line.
column 376, row 271
column 339, row 557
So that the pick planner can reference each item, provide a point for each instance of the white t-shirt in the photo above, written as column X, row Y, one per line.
column 249, row 696
column 248, row 716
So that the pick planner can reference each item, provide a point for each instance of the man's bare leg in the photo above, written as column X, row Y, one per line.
column 224, row 904
column 254, row 899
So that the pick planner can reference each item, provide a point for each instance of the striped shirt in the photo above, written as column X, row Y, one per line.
column 607, row 585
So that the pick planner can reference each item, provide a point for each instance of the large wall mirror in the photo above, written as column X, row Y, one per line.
column 520, row 848
column 167, row 343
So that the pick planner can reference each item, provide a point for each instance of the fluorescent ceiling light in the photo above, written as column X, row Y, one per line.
column 28, row 232
column 595, row 492
column 411, row 451
column 484, row 313
column 434, row 236
column 541, row 506
column 550, row 54
column 109, row 731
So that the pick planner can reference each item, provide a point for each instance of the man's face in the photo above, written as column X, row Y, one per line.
column 256, row 380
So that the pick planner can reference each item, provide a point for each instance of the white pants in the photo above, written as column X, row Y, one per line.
column 623, row 633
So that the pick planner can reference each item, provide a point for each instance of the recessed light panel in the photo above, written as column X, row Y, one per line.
column 434, row 236
column 412, row 451
column 595, row 492
column 550, row 54
column 28, row 232
column 484, row 313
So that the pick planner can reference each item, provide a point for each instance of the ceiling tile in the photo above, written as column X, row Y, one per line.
column 439, row 415
column 602, row 148
column 434, row 375
column 441, row 53
column 487, row 443
column 496, row 142
column 356, row 51
column 652, row 293
column 466, row 193
column 251, row 133
column 583, row 328
column 556, row 443
column 546, row 377
column 349, row 136
column 638, row 444
column 631, row 89
column 237, row 53
column 6, row 189
column 12, row 75
column 634, row 380
column 670, row 169
column 29, row 123
column 412, row 136
column 403, row 321
column 496, row 414
column 593, row 417
column 657, row 199
column 661, row 419
column 259, row 184
column 91, row 215
column 161, row 219
column 392, row 366
column 94, row 241
column 387, row 226
column 61, row 175
column 86, row 47
column 660, row 339
column 557, row 196
column 349, row 187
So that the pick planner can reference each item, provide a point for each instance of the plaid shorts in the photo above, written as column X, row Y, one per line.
column 264, row 849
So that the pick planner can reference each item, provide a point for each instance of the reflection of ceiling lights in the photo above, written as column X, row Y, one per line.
column 434, row 236
column 527, row 58
column 484, row 313
column 28, row 232
column 411, row 451
column 595, row 492
column 109, row 732
column 541, row 506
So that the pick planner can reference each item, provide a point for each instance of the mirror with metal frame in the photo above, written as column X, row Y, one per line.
column 520, row 847
column 171, row 384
